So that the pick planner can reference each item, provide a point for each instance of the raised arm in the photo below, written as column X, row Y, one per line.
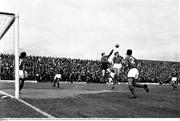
column 110, row 53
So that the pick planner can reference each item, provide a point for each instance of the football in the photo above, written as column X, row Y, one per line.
column 117, row 45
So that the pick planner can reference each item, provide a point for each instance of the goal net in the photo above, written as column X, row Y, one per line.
column 9, row 50
column 6, row 21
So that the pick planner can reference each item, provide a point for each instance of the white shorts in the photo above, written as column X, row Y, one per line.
column 174, row 79
column 112, row 75
column 133, row 73
column 110, row 80
column 22, row 74
column 117, row 66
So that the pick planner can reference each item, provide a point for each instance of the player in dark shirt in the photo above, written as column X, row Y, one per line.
column 117, row 65
column 105, row 64
column 133, row 74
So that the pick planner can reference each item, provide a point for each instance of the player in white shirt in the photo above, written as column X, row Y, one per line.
column 111, row 75
column 57, row 79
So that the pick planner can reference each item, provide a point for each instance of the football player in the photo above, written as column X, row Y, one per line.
column 22, row 73
column 105, row 64
column 133, row 73
column 174, row 78
column 117, row 65
column 57, row 79
column 111, row 75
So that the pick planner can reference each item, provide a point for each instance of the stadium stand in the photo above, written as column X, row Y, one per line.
column 44, row 68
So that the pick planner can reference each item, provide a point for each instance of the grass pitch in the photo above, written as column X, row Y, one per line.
column 91, row 101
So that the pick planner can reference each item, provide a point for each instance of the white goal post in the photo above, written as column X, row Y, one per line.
column 8, row 20
column 17, row 57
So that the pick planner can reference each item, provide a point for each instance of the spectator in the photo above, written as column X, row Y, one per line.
column 44, row 69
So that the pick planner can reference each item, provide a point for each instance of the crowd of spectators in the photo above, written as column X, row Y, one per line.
column 158, row 71
column 44, row 68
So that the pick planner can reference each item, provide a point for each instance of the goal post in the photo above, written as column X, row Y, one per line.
column 8, row 20
column 17, row 57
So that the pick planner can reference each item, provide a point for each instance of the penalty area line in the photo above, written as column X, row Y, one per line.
column 29, row 105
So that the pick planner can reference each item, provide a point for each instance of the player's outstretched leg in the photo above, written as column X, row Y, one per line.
column 141, row 86
column 131, row 88
column 146, row 88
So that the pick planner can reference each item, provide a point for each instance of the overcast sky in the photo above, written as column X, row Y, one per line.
column 86, row 28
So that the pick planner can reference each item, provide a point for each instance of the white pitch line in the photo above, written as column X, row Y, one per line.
column 31, row 106
column 114, row 91
column 10, row 81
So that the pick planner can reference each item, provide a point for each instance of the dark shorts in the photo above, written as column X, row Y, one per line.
column 57, row 80
column 104, row 66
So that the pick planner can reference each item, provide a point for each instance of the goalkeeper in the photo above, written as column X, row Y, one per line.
column 22, row 73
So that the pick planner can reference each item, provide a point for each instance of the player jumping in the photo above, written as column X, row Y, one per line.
column 117, row 61
column 105, row 64
column 133, row 74
column 22, row 72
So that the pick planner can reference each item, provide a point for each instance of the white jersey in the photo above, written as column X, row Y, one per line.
column 57, row 76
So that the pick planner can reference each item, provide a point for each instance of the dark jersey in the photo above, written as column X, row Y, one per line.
column 117, row 59
column 104, row 59
column 174, row 74
column 105, row 62
column 131, row 62
column 22, row 64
